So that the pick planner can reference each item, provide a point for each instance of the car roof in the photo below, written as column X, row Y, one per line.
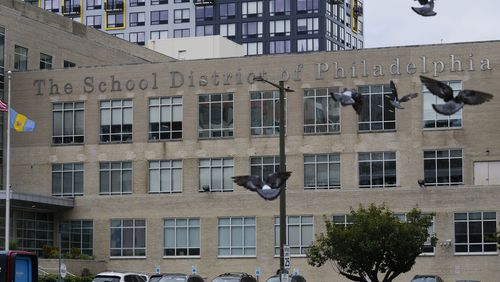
column 113, row 273
column 169, row 274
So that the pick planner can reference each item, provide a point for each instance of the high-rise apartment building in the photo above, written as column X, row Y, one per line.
column 262, row 27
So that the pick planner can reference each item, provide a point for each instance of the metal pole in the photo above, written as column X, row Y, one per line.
column 282, row 169
column 7, row 172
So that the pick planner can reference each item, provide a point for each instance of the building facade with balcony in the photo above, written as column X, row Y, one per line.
column 262, row 27
column 147, row 152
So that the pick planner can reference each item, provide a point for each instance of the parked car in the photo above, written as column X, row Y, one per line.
column 234, row 277
column 175, row 277
column 296, row 278
column 427, row 278
column 120, row 277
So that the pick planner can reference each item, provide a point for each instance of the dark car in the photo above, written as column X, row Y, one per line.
column 175, row 277
column 234, row 277
column 427, row 278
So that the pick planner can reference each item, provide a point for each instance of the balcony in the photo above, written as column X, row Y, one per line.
column 114, row 6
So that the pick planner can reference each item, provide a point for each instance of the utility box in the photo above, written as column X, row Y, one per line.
column 18, row 266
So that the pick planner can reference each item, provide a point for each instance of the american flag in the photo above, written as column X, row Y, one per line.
column 3, row 106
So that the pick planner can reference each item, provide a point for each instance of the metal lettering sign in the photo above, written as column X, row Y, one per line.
column 62, row 270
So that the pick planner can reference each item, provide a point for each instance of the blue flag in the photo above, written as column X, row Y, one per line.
column 20, row 122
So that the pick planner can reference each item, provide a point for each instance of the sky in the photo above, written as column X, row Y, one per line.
column 393, row 23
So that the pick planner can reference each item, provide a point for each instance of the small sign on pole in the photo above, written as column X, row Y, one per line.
column 194, row 270
column 63, row 270
column 257, row 271
column 286, row 256
column 157, row 269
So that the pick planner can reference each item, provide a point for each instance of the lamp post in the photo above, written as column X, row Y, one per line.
column 282, row 90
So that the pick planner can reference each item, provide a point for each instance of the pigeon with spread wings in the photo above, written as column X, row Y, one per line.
column 348, row 98
column 427, row 9
column 269, row 189
column 395, row 100
column 453, row 104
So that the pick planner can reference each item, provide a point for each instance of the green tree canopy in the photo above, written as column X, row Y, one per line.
column 376, row 243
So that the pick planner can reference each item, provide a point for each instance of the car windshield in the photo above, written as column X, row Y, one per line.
column 424, row 279
column 103, row 278
column 226, row 279
column 171, row 278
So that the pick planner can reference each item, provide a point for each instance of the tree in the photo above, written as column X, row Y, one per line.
column 377, row 242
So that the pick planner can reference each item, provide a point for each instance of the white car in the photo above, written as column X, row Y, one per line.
column 120, row 277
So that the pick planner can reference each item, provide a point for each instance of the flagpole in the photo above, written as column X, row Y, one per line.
column 7, row 177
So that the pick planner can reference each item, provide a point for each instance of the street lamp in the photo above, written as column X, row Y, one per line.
column 282, row 90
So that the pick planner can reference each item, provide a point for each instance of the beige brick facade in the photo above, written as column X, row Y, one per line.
column 33, row 154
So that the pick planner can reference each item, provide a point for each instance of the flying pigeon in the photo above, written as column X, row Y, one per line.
column 395, row 101
column 453, row 104
column 349, row 97
column 269, row 189
column 427, row 9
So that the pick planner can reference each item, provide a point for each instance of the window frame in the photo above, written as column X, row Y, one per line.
column 169, row 167
column 125, row 167
column 428, row 98
column 261, row 97
column 468, row 221
column 168, row 105
column 301, row 223
column 436, row 159
column 135, row 228
column 125, row 106
column 189, row 228
column 76, row 107
column 370, row 95
column 332, row 159
column 20, row 59
column 225, row 103
column 244, row 226
column 385, row 161
column 317, row 95
column 83, row 228
column 74, row 170
column 211, row 164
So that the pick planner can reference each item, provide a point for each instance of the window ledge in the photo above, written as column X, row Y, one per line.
column 236, row 257
column 181, row 257
column 476, row 254
column 128, row 257
column 442, row 128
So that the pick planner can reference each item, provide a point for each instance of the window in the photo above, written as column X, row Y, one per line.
column 475, row 233
column 265, row 165
column 181, row 16
column 165, row 176
column 216, row 174
column 300, row 234
column 68, row 123
column 115, row 178
column 251, row 9
column 128, row 238
column 428, row 249
column 77, row 234
column 159, row 34
column 204, row 13
column 51, row 5
column 159, row 2
column 45, row 61
column 443, row 167
column 94, row 21
column 344, row 220
column 307, row 45
column 94, row 4
column 377, row 169
column 116, row 121
column 20, row 58
column 228, row 30
column 68, row 64
column 67, row 179
column 137, row 19
column 114, row 21
column 204, row 30
column 33, row 230
column 165, row 118
column 215, row 115
column 137, row 37
column 227, row 11
column 159, row 17
column 308, row 26
column 137, row 3
column 377, row 114
column 279, row 47
column 181, row 237
column 181, row 1
column 279, row 28
column 180, row 33
column 237, row 236
column 435, row 120
column 307, row 6
column 322, row 171
column 486, row 173
column 321, row 112
column 279, row 7
column 251, row 30
column 265, row 113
